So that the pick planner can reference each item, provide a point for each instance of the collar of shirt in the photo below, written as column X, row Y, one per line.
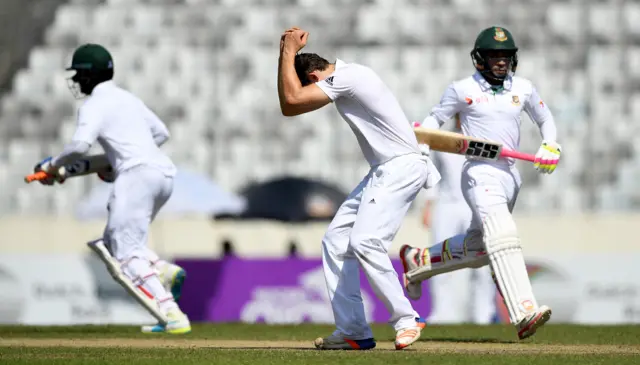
column 340, row 63
column 103, row 85
column 486, row 86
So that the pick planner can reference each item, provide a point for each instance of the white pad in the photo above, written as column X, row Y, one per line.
column 506, row 260
column 456, row 254
column 149, row 303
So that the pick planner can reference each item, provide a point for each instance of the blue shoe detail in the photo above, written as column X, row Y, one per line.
column 176, row 284
column 158, row 328
column 420, row 320
column 366, row 344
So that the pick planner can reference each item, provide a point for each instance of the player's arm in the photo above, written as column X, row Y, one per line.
column 158, row 129
column 541, row 115
column 296, row 99
column 71, row 152
column 548, row 154
column 87, row 131
column 89, row 125
column 450, row 105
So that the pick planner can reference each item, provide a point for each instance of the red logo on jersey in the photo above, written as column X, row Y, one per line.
column 541, row 103
column 482, row 99
column 468, row 100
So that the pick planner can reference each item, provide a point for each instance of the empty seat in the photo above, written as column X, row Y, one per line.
column 70, row 17
column 631, row 14
column 601, row 18
column 611, row 199
column 47, row 59
column 147, row 19
column 375, row 25
column 110, row 18
column 565, row 21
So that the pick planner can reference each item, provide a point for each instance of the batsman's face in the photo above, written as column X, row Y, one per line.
column 73, row 84
column 499, row 62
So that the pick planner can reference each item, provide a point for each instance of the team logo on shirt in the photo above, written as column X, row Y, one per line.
column 541, row 103
column 329, row 80
column 468, row 100
column 515, row 100
column 500, row 36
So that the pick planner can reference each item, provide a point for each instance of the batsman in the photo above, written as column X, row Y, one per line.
column 142, row 177
column 489, row 104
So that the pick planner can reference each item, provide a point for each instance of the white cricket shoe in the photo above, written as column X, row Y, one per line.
column 409, row 257
column 406, row 336
column 530, row 324
column 178, row 324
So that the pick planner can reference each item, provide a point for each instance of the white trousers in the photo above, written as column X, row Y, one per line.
column 466, row 295
column 360, row 235
column 137, row 196
column 488, row 188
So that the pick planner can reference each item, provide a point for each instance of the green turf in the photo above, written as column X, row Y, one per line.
column 450, row 336
column 551, row 334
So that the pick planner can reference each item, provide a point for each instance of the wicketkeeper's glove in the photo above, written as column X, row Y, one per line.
column 547, row 157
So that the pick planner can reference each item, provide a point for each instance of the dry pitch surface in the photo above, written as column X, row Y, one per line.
column 431, row 347
column 262, row 344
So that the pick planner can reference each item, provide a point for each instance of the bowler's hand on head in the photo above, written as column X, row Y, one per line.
column 293, row 40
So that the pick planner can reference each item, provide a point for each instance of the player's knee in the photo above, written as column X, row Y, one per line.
column 364, row 243
column 500, row 232
column 335, row 242
column 126, row 243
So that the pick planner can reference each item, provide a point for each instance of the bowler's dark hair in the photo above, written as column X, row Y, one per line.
column 309, row 62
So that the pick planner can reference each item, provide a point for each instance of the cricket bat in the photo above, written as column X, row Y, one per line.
column 84, row 166
column 460, row 144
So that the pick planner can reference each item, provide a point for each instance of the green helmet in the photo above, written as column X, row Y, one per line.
column 93, row 65
column 494, row 39
column 91, row 57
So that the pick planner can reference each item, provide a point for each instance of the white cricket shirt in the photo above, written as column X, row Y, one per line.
column 124, row 127
column 372, row 111
column 493, row 115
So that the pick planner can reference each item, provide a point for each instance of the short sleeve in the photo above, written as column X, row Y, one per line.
column 89, row 124
column 337, row 85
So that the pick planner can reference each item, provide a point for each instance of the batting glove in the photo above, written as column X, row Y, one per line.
column 46, row 166
column 547, row 157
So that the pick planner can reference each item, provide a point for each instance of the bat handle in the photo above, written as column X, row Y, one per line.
column 40, row 175
column 517, row 155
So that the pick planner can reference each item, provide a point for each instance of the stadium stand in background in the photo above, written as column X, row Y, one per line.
column 208, row 68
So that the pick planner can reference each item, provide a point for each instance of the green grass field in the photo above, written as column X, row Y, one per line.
column 264, row 344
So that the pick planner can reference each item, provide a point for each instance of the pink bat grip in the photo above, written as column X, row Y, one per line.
column 517, row 155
